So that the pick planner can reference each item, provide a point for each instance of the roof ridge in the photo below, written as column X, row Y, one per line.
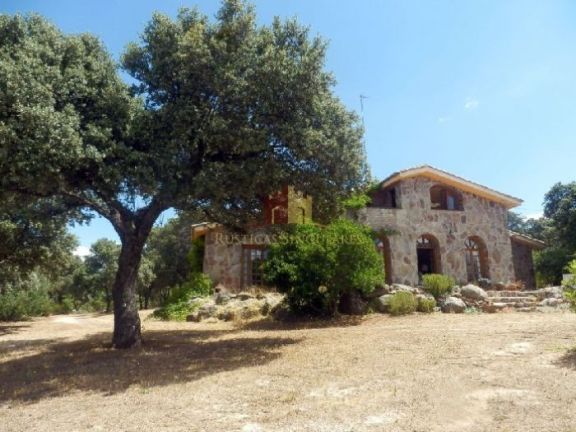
column 454, row 176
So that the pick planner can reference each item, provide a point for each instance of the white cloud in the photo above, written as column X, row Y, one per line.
column 444, row 119
column 82, row 251
column 471, row 104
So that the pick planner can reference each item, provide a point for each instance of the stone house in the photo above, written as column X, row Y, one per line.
column 435, row 222
column 428, row 220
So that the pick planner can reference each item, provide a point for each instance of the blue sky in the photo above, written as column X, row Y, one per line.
column 483, row 89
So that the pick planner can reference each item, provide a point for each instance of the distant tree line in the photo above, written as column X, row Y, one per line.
column 40, row 275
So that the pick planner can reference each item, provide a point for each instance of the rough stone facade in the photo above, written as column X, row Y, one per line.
column 223, row 261
column 226, row 255
column 415, row 217
column 457, row 228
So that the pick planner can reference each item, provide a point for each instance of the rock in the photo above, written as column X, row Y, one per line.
column 271, row 300
column 401, row 287
column 553, row 292
column 352, row 303
column 207, row 310
column 193, row 317
column 243, row 296
column 222, row 297
column 473, row 292
column 211, row 320
column 227, row 314
column 452, row 305
column 378, row 291
column 221, row 288
column 382, row 303
column 489, row 308
column 550, row 302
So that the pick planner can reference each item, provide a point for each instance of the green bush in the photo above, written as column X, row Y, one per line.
column 437, row 284
column 315, row 265
column 28, row 299
column 426, row 304
column 176, row 311
column 180, row 302
column 402, row 303
column 198, row 285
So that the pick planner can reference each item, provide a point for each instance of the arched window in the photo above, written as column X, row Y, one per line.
column 279, row 215
column 444, row 198
column 476, row 259
column 428, row 253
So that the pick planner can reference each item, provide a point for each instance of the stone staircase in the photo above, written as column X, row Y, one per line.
column 523, row 301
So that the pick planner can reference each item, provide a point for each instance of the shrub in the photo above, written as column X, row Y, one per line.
column 570, row 285
column 426, row 304
column 180, row 303
column 176, row 311
column 437, row 284
column 314, row 266
column 402, row 303
column 198, row 285
column 17, row 304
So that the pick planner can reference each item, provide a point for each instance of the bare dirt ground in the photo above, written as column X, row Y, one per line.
column 500, row 372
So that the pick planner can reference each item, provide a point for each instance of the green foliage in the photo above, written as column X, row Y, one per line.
column 437, row 284
column 357, row 201
column 560, row 209
column 33, row 236
column 199, row 285
column 176, row 311
column 183, row 298
column 426, row 304
column 402, row 303
column 29, row 298
column 314, row 266
column 550, row 263
column 570, row 284
column 196, row 255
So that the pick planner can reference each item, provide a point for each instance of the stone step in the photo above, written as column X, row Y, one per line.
column 493, row 293
column 524, row 299
column 520, row 307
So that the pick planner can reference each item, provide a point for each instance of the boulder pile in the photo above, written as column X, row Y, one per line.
column 226, row 306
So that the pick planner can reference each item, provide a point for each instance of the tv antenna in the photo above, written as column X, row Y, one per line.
column 362, row 98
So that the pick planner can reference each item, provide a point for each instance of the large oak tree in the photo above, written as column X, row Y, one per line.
column 222, row 112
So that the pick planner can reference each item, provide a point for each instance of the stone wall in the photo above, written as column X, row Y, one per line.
column 223, row 254
column 223, row 261
column 523, row 264
column 480, row 217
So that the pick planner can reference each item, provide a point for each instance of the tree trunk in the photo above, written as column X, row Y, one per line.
column 126, row 319
column 133, row 230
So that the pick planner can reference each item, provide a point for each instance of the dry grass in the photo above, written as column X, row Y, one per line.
column 485, row 372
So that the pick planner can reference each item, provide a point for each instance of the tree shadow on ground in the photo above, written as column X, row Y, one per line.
column 9, row 346
column 568, row 359
column 302, row 323
column 11, row 328
column 166, row 357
